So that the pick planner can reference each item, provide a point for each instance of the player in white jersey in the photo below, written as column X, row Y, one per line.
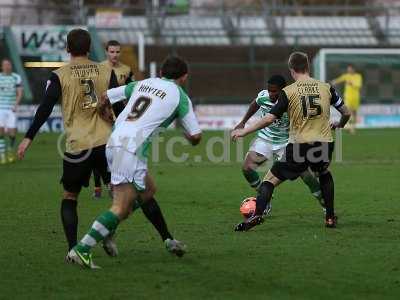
column 271, row 141
column 153, row 103
column 10, row 97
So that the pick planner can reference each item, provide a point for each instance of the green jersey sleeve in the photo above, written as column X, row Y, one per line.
column 262, row 98
column 129, row 89
column 183, row 106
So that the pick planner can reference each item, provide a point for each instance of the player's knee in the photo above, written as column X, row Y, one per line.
column 121, row 211
column 249, row 165
column 271, row 178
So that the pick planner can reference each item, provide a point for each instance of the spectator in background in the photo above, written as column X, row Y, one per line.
column 352, row 87
column 10, row 98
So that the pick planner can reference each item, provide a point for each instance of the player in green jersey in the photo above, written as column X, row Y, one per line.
column 272, row 140
column 10, row 97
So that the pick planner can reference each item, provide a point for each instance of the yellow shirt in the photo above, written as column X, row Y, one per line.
column 352, row 85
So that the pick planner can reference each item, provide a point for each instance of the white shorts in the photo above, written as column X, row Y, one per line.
column 126, row 167
column 8, row 119
column 267, row 149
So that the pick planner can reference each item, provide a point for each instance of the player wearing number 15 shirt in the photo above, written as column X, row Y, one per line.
column 78, row 85
column 307, row 102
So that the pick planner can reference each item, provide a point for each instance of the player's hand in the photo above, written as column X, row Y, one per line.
column 104, row 101
column 23, row 146
column 14, row 109
column 237, row 133
column 239, row 126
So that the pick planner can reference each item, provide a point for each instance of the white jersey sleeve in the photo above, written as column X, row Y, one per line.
column 189, row 121
column 18, row 80
column 186, row 114
column 117, row 94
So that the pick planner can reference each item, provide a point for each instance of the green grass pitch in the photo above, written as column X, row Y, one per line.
column 291, row 256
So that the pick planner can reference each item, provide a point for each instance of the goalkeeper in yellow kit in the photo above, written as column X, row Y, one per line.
column 352, row 86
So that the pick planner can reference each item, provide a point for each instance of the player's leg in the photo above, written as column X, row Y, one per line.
column 124, row 194
column 328, row 193
column 313, row 185
column 152, row 210
column 263, row 200
column 3, row 157
column 258, row 153
column 153, row 213
column 11, row 132
column 76, row 173
column 320, row 167
column 97, row 184
column 286, row 168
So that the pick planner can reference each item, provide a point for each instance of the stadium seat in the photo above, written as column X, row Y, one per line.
column 341, row 31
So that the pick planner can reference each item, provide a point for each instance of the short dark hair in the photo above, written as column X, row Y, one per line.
column 78, row 42
column 277, row 80
column 174, row 67
column 112, row 43
column 6, row 59
column 298, row 61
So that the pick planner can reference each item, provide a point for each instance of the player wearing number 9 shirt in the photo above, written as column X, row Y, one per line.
column 153, row 103
column 78, row 85
column 307, row 102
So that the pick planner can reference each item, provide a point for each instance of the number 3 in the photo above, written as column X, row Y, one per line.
column 139, row 108
column 89, row 94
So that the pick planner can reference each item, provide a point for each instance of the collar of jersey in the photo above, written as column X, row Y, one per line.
column 171, row 80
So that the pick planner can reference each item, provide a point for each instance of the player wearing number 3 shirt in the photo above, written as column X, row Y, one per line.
column 78, row 85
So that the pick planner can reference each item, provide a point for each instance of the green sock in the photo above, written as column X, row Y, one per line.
column 11, row 143
column 252, row 177
column 313, row 185
column 103, row 226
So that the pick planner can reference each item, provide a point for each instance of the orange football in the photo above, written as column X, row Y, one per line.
column 248, row 207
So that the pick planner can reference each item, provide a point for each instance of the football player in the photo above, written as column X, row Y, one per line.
column 271, row 141
column 307, row 102
column 10, row 98
column 153, row 103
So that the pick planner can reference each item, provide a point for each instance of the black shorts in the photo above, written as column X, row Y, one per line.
column 77, row 168
column 299, row 157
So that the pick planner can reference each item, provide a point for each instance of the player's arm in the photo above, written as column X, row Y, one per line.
column 51, row 96
column 19, row 94
column 106, row 111
column 253, row 108
column 339, row 79
column 275, row 113
column 190, row 124
column 337, row 102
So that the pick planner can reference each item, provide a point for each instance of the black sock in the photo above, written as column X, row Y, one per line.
column 97, row 180
column 264, row 196
column 328, row 192
column 153, row 213
column 69, row 217
column 12, row 141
